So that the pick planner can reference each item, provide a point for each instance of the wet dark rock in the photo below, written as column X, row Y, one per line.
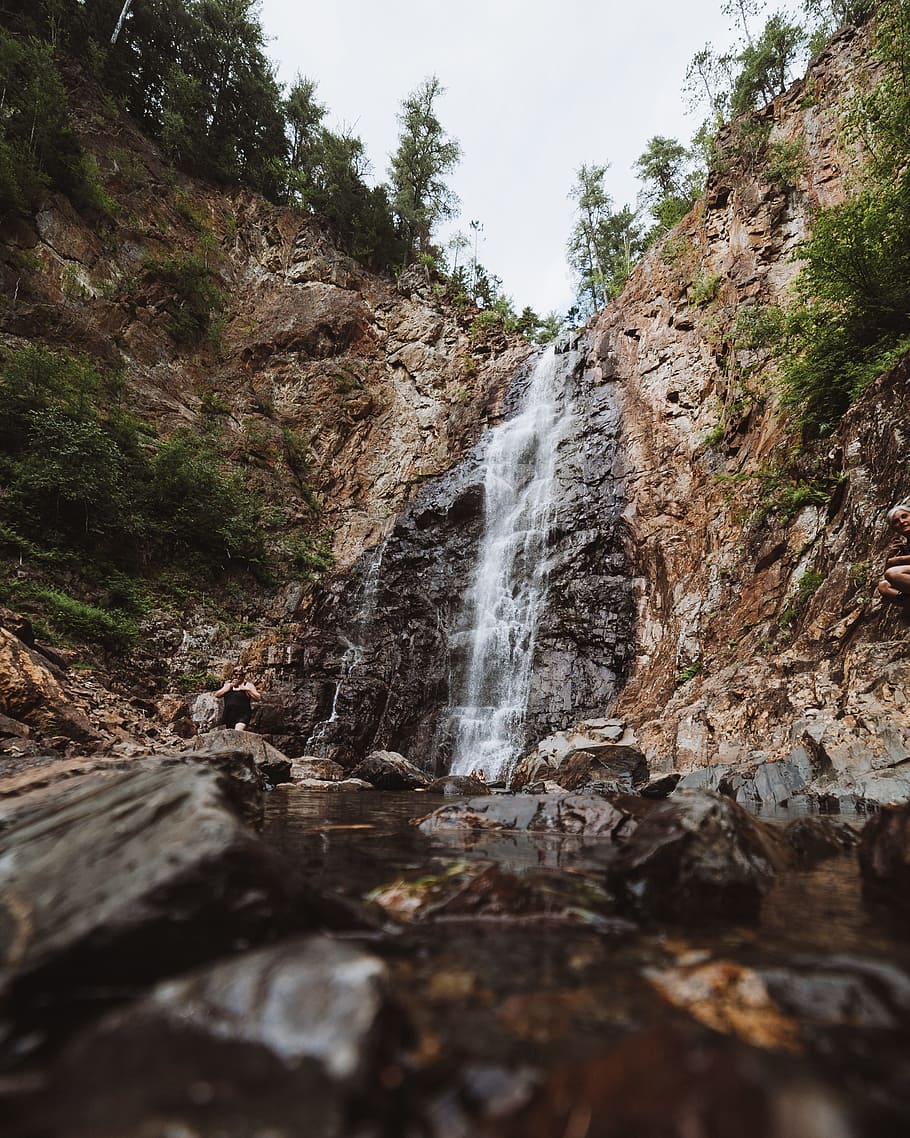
column 675, row 1080
column 458, row 786
column 115, row 880
column 696, row 855
column 884, row 857
column 389, row 771
column 765, row 784
column 562, row 814
column 661, row 787
column 813, row 838
column 287, row 1041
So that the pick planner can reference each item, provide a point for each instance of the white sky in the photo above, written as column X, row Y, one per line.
column 534, row 88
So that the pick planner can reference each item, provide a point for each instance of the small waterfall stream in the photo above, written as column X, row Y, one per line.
column 493, row 642
column 354, row 645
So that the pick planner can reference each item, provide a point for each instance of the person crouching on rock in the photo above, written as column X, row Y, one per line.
column 238, row 694
column 895, row 583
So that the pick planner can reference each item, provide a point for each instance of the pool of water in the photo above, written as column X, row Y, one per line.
column 524, row 994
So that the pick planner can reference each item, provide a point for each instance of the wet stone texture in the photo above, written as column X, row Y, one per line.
column 295, row 1036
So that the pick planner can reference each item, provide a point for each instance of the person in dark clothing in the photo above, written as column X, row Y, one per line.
column 895, row 581
column 238, row 694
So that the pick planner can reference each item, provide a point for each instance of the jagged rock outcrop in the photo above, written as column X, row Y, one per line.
column 758, row 636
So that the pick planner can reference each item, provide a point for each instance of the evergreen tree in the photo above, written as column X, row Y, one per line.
column 603, row 244
column 424, row 156
column 671, row 185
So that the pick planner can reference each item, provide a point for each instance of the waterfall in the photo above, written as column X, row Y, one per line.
column 354, row 644
column 493, row 642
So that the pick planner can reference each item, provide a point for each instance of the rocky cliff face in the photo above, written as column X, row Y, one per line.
column 375, row 667
column 758, row 634
column 337, row 392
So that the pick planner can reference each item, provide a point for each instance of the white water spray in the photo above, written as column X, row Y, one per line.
column 498, row 627
column 353, row 653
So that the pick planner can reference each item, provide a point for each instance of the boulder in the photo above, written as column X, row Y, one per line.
column 205, row 711
column 458, row 786
column 562, row 814
column 122, row 879
column 884, row 857
column 273, row 766
column 696, row 855
column 330, row 784
column 284, row 1041
column 387, row 770
column 602, row 750
column 310, row 767
column 31, row 694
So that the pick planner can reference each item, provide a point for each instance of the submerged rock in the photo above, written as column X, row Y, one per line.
column 282, row 1041
column 674, row 1080
column 387, row 770
column 488, row 893
column 697, row 854
column 558, row 814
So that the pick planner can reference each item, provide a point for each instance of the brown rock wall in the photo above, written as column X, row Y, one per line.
column 735, row 662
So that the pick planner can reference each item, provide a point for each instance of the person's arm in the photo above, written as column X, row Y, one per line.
column 223, row 690
column 249, row 688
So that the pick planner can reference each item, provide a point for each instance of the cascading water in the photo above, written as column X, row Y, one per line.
column 353, row 653
column 495, row 637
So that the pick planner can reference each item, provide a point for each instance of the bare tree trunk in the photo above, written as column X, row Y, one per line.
column 123, row 14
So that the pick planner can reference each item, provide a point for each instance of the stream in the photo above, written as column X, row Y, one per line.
column 818, row 985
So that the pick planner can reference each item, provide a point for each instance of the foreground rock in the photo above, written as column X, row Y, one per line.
column 563, row 814
column 116, row 880
column 884, row 858
column 283, row 1041
column 387, row 770
column 673, row 1081
column 270, row 762
column 698, row 854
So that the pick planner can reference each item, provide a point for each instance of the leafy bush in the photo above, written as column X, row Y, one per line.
column 705, row 289
column 193, row 298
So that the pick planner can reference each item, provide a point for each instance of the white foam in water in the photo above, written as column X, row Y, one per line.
column 498, row 625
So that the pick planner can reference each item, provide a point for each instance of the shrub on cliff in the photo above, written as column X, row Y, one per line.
column 81, row 474
column 851, row 321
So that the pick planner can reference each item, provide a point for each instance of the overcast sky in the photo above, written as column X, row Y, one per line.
column 534, row 88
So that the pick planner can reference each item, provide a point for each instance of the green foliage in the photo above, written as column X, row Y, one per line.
column 604, row 244
column 809, row 584
column 37, row 147
column 70, row 618
column 789, row 500
column 192, row 298
column 672, row 185
column 705, row 289
column 688, row 672
column 756, row 327
column 785, row 162
column 425, row 155
column 311, row 556
column 852, row 316
column 80, row 474
column 199, row 680
column 765, row 65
